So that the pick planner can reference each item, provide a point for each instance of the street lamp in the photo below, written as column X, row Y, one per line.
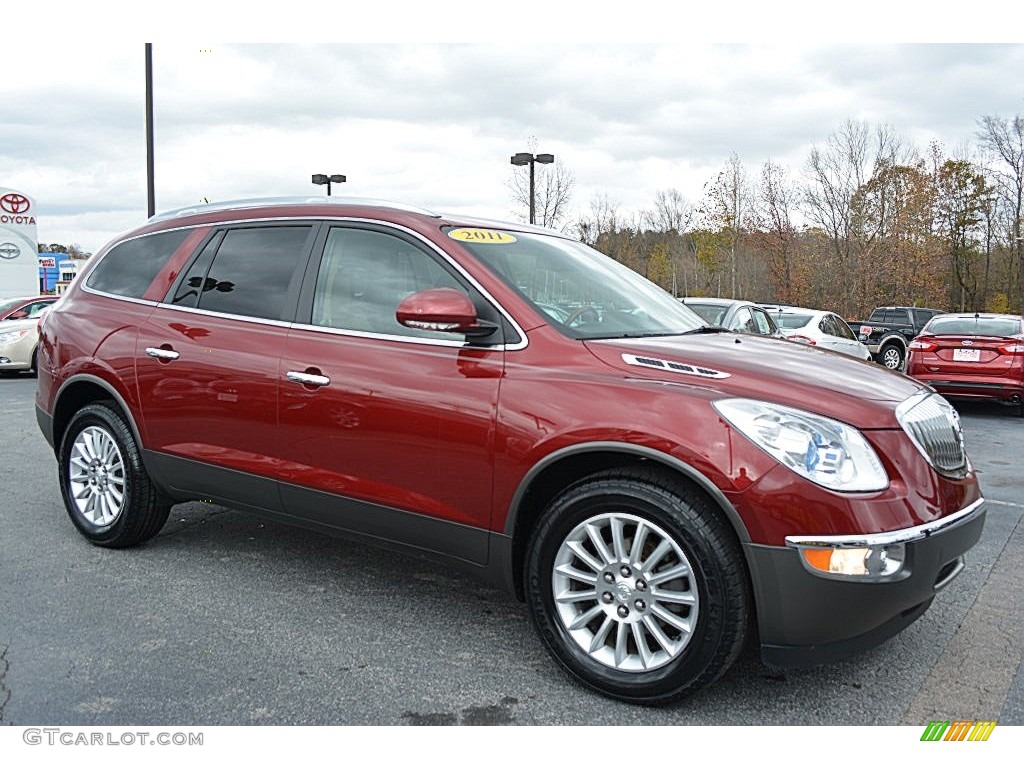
column 320, row 178
column 527, row 158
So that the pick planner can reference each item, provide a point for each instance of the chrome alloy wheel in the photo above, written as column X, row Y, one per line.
column 96, row 476
column 625, row 592
column 892, row 358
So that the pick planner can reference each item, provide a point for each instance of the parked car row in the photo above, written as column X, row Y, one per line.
column 813, row 327
column 961, row 355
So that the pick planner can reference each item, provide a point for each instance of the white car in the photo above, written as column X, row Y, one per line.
column 818, row 328
column 18, row 341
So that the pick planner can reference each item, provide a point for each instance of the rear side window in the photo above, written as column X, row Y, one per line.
column 250, row 275
column 129, row 268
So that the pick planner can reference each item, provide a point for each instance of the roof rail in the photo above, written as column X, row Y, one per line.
column 260, row 202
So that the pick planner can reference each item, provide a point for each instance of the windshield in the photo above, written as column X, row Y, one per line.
column 584, row 293
column 10, row 304
column 1002, row 327
column 791, row 321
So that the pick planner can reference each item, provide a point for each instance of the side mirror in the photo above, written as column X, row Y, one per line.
column 442, row 309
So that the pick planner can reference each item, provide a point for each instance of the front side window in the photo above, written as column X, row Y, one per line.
column 363, row 277
column 129, row 268
column 582, row 292
column 764, row 324
column 743, row 322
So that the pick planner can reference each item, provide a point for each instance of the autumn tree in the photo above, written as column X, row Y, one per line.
column 1004, row 140
column 961, row 200
column 776, row 202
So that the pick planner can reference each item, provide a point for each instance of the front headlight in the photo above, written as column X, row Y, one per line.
column 9, row 337
column 824, row 451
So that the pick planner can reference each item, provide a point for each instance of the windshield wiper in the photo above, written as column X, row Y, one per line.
column 706, row 329
column 655, row 334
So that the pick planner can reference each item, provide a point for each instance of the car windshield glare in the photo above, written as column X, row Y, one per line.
column 712, row 313
column 583, row 293
column 790, row 321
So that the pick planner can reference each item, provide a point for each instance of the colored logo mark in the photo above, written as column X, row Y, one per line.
column 14, row 203
column 958, row 730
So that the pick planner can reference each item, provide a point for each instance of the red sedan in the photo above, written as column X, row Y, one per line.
column 975, row 355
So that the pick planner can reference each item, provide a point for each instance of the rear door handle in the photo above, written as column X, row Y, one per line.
column 162, row 354
column 312, row 379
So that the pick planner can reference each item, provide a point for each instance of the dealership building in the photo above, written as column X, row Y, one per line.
column 56, row 273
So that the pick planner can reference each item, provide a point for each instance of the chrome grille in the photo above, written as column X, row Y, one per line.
column 934, row 427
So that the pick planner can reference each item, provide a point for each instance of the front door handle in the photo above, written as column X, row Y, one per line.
column 312, row 379
column 162, row 354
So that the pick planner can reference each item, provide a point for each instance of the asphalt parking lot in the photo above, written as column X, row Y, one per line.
column 227, row 619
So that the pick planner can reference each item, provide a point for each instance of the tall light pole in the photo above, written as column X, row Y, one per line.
column 528, row 158
column 150, row 184
column 321, row 178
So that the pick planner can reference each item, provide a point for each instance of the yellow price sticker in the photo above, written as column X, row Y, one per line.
column 481, row 236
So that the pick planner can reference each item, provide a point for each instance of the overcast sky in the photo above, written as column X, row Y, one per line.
column 435, row 123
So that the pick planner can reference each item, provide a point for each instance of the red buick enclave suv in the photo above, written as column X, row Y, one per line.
column 508, row 399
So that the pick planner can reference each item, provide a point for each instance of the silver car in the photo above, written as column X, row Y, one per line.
column 818, row 328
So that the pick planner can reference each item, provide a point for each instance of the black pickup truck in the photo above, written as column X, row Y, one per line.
column 890, row 329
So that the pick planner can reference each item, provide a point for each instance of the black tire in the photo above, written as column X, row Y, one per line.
column 99, row 460
column 892, row 357
column 33, row 370
column 675, row 516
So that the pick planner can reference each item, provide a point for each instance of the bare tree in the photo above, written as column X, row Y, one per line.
column 726, row 209
column 1005, row 139
column 672, row 212
column 851, row 157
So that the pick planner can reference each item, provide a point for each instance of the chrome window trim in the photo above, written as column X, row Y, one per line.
column 389, row 337
column 91, row 264
column 522, row 344
column 904, row 536
column 119, row 297
column 226, row 315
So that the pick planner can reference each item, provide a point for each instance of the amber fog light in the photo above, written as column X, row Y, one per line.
column 877, row 562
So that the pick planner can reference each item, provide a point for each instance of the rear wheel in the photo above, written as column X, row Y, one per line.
column 638, row 587
column 892, row 357
column 106, row 490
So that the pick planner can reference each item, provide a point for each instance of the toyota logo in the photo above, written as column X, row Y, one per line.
column 9, row 251
column 14, row 203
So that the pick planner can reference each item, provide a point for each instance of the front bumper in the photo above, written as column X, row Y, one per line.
column 806, row 618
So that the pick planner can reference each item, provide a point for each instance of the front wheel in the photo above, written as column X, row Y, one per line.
column 638, row 587
column 106, row 491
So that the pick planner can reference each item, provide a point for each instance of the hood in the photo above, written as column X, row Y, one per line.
column 838, row 386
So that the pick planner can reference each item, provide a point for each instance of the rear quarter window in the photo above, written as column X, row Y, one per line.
column 128, row 268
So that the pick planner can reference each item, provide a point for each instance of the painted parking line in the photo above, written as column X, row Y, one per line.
column 975, row 673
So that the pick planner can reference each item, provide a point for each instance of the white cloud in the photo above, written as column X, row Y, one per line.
column 435, row 124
